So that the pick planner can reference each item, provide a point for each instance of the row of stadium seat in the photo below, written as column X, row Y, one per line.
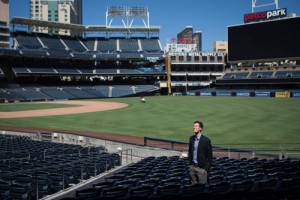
column 251, row 75
column 40, row 41
column 18, row 70
column 167, row 178
column 31, row 169
column 80, row 92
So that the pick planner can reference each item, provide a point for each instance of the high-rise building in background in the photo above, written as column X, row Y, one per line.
column 64, row 11
column 187, row 36
column 197, row 39
column 4, row 23
column 221, row 46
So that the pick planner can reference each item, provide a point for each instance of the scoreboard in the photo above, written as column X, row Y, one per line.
column 265, row 41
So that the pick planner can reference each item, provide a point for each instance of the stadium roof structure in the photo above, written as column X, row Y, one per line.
column 33, row 23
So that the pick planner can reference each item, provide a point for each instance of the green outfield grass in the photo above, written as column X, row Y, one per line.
column 227, row 120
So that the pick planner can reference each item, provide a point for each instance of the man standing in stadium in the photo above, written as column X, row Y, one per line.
column 199, row 155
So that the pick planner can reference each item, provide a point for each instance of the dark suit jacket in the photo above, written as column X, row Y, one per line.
column 204, row 153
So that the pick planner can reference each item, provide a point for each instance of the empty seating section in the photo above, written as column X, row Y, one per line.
column 285, row 74
column 83, row 55
column 40, row 41
column 106, row 55
column 107, row 45
column 33, row 46
column 45, row 45
column 66, row 70
column 90, row 43
column 161, row 177
column 51, row 42
column 28, row 41
column 150, row 45
column 73, row 43
column 261, row 75
column 54, row 46
column 158, row 55
column 145, row 88
column 130, row 71
column 67, row 92
column 29, row 94
column 31, row 169
column 79, row 93
column 103, row 90
column 240, row 75
column 83, row 70
column 120, row 90
column 59, row 53
column 28, row 167
column 57, row 93
column 128, row 55
column 106, row 71
column 129, row 45
column 4, row 94
column 9, row 52
column 295, row 74
column 93, row 91
column 20, row 69
column 42, row 69
column 34, row 52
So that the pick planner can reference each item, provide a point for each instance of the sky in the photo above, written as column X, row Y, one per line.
column 211, row 17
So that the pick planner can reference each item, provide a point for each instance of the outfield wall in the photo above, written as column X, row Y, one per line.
column 243, row 93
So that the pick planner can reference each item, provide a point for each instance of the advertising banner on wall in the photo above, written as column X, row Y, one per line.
column 224, row 94
column 296, row 94
column 262, row 94
column 285, row 94
column 243, row 94
column 181, row 48
column 205, row 94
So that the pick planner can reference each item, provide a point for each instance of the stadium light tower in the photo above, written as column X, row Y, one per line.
column 127, row 15
column 254, row 4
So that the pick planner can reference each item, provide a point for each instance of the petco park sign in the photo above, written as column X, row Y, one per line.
column 267, row 15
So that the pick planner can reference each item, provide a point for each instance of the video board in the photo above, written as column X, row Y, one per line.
column 269, row 40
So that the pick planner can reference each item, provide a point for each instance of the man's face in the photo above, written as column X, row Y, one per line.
column 196, row 128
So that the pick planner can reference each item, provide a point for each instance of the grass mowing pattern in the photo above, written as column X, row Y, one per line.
column 227, row 120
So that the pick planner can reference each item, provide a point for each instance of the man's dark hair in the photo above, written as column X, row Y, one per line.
column 200, row 123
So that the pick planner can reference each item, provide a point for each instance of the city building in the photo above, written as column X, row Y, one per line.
column 185, row 36
column 197, row 38
column 221, row 46
column 4, row 23
column 188, row 36
column 64, row 11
